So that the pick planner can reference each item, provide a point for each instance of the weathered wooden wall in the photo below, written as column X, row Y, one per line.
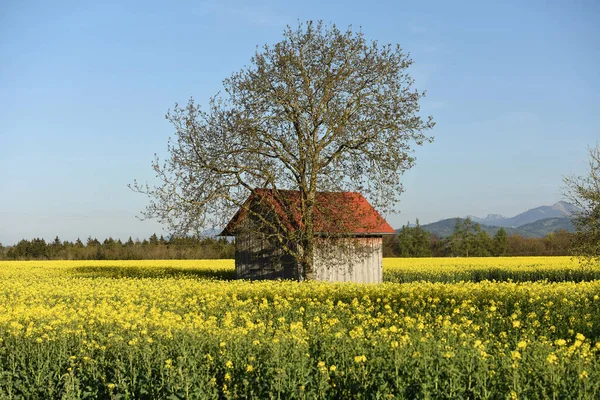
column 349, row 260
column 337, row 260
column 255, row 258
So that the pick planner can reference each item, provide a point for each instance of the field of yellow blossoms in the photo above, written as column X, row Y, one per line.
column 490, row 328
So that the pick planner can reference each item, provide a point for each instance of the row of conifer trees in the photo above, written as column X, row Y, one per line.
column 152, row 248
column 410, row 241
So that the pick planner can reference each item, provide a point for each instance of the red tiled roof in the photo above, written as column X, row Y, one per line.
column 335, row 212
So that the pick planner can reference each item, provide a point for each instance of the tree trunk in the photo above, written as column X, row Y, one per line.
column 308, row 260
column 308, row 248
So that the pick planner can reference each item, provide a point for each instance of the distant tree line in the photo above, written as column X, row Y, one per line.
column 152, row 248
column 469, row 240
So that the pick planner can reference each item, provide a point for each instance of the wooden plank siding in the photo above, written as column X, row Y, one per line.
column 353, row 260
column 336, row 260
column 255, row 258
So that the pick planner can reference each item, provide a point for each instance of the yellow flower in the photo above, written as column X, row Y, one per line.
column 583, row 375
column 41, row 302
column 249, row 368
column 551, row 359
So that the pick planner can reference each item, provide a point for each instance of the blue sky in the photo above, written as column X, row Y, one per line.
column 513, row 86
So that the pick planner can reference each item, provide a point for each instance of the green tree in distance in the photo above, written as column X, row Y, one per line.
column 462, row 239
column 413, row 241
column 469, row 240
column 500, row 243
column 482, row 243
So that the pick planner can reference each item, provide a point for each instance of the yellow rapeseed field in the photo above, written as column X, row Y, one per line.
column 516, row 269
column 181, row 329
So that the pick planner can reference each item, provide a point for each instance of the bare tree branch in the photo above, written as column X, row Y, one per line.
column 584, row 193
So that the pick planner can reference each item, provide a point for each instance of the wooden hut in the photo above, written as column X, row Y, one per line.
column 348, row 232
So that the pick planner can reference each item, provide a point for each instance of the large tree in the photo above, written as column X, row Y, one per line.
column 584, row 192
column 322, row 110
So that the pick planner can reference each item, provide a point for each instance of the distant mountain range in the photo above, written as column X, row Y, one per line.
column 537, row 222
column 558, row 210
